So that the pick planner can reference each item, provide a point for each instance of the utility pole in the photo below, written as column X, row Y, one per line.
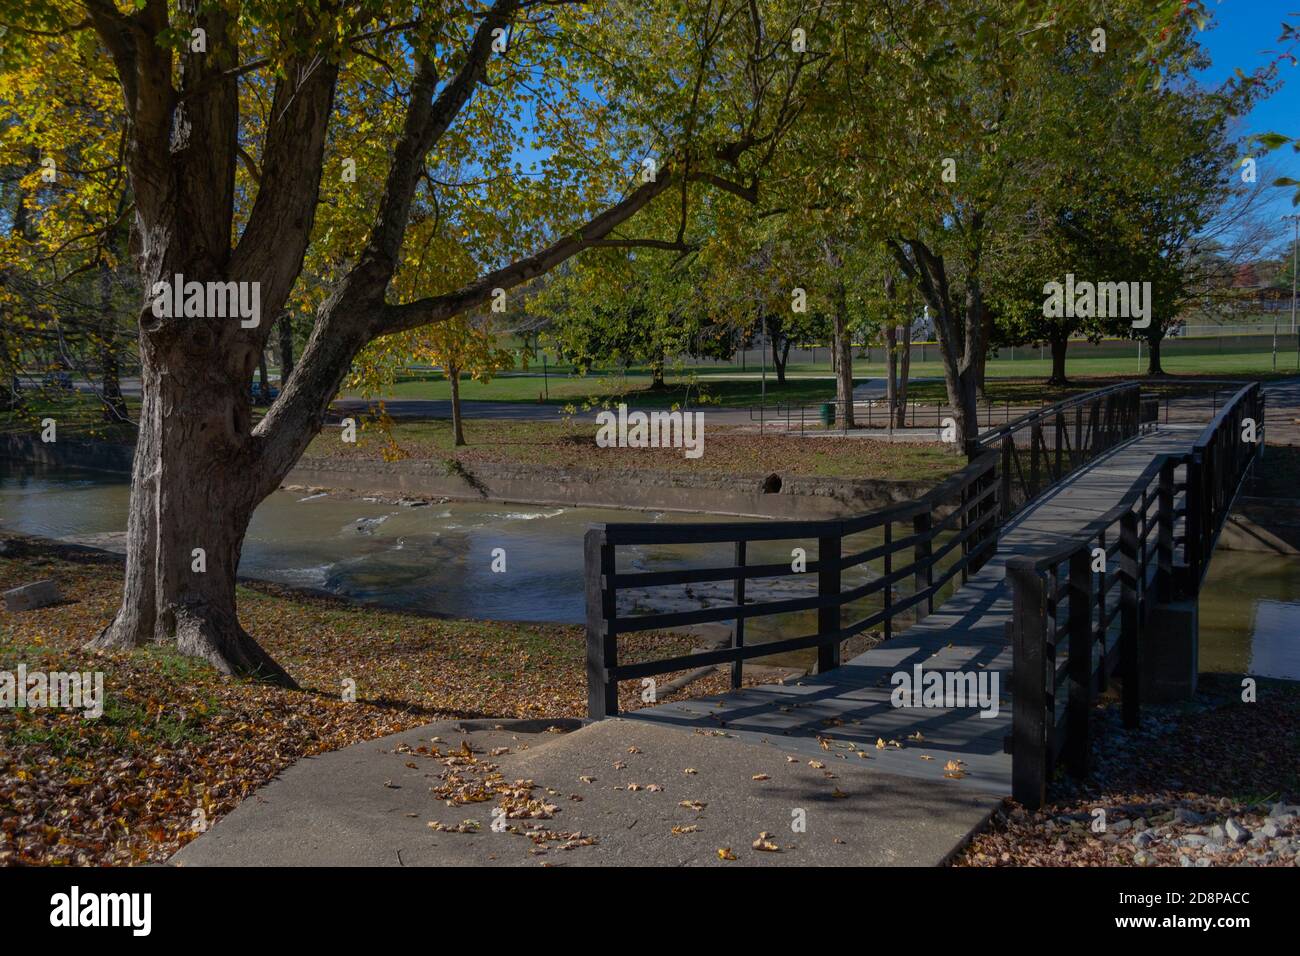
column 1294, row 218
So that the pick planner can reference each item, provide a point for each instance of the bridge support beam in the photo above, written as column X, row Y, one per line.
column 1170, row 652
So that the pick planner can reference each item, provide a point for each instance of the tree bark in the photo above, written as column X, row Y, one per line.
column 780, row 358
column 959, row 335
column 285, row 324
column 1059, row 344
column 891, row 377
column 982, row 357
column 1153, row 355
column 843, row 357
column 458, row 433
column 657, row 374
column 905, row 366
column 193, row 492
column 262, row 381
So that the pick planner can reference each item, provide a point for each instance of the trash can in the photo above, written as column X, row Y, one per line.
column 828, row 414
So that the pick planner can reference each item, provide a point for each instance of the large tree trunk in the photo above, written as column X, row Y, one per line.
column 905, row 367
column 263, row 381
column 843, row 357
column 458, row 433
column 982, row 356
column 1153, row 355
column 891, row 379
column 966, row 401
column 285, row 325
column 960, row 336
column 201, row 467
column 1059, row 344
column 780, row 358
column 193, row 492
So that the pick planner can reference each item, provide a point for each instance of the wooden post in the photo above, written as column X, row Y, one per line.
column 738, row 634
column 1008, row 449
column 602, row 643
column 1192, row 528
column 1130, row 624
column 923, row 578
column 1060, row 438
column 1099, row 594
column 1029, row 757
column 1079, row 663
column 828, row 589
column 1036, row 439
column 1165, row 533
column 888, row 595
column 1078, row 436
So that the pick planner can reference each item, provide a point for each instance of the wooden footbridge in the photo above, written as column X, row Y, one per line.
column 1065, row 558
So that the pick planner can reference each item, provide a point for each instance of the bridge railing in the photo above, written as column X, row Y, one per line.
column 870, row 570
column 1080, row 611
column 1044, row 446
column 867, row 572
column 1221, row 457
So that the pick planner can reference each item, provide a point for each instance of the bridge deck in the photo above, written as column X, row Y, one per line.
column 849, row 707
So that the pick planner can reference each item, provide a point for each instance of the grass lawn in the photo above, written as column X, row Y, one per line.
column 176, row 737
column 730, row 386
column 572, row 445
column 76, row 414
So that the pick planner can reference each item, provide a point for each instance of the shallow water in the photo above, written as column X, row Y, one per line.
column 432, row 558
column 1250, row 615
column 438, row 558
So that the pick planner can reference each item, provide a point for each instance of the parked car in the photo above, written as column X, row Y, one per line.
column 58, row 380
column 272, row 393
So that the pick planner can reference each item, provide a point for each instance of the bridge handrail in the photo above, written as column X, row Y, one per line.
column 1099, row 421
column 988, row 437
column 933, row 529
column 960, row 512
column 1112, row 608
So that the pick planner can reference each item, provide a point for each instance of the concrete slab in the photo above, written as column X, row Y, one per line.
column 367, row 806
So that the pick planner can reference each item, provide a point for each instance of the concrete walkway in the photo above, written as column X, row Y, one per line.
column 765, row 759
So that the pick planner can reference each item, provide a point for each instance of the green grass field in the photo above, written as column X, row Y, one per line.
column 728, row 385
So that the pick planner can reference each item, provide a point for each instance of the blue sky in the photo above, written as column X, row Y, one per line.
column 1244, row 34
